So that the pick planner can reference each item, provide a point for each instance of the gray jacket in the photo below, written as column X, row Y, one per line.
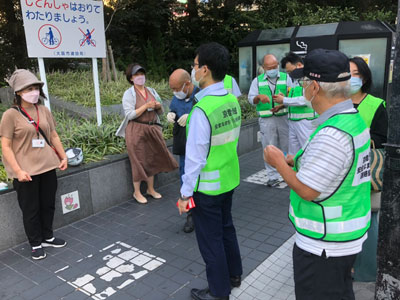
column 129, row 106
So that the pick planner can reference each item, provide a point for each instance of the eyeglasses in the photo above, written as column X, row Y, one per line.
column 303, row 81
column 196, row 64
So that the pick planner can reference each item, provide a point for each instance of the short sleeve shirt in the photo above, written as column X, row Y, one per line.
column 21, row 132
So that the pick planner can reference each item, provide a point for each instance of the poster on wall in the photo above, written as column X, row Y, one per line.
column 64, row 29
column 70, row 202
column 365, row 57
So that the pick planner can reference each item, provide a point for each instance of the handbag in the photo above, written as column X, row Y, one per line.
column 377, row 160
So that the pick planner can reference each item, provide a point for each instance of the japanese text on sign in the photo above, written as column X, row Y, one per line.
column 56, row 28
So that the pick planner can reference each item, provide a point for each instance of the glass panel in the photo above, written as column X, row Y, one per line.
column 276, row 34
column 279, row 50
column 317, row 30
column 245, row 68
column 375, row 51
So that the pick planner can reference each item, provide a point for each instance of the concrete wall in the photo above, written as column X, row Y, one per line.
column 100, row 185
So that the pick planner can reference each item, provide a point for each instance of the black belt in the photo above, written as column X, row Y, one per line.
column 148, row 123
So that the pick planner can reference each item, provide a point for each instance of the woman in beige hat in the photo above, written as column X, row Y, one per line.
column 141, row 128
column 32, row 151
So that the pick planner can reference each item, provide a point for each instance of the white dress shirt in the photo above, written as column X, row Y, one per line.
column 198, row 140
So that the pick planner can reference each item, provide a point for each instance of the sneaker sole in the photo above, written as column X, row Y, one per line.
column 40, row 257
column 44, row 245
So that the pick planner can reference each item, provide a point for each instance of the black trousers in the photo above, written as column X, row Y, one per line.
column 36, row 199
column 318, row 277
column 216, row 237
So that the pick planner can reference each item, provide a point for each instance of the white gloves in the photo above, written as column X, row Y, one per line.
column 182, row 120
column 171, row 117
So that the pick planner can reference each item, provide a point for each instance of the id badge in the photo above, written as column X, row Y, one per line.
column 37, row 143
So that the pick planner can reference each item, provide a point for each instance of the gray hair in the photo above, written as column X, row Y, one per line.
column 337, row 89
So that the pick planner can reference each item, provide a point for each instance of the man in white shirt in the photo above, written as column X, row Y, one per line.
column 300, row 116
column 273, row 121
column 212, row 172
column 330, row 182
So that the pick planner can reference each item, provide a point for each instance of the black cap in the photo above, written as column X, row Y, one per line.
column 324, row 65
column 138, row 68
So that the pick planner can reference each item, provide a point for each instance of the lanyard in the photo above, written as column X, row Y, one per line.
column 35, row 124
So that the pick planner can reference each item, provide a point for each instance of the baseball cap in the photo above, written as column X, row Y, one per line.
column 324, row 65
column 137, row 68
column 21, row 79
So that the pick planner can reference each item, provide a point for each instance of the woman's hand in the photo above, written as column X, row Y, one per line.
column 63, row 164
column 151, row 104
column 158, row 105
column 23, row 176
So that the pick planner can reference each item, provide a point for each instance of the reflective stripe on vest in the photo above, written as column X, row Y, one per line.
column 345, row 214
column 263, row 109
column 332, row 227
column 368, row 107
column 302, row 116
column 297, row 113
column 221, row 172
column 226, row 137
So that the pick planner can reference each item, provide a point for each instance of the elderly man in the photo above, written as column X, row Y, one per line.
column 300, row 115
column 330, row 182
column 212, row 172
column 273, row 122
column 180, row 107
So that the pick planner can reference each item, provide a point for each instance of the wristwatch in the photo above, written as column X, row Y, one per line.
column 183, row 198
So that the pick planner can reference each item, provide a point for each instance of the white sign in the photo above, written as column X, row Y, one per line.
column 70, row 202
column 64, row 29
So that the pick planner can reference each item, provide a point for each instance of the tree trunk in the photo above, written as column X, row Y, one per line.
column 388, row 255
column 111, row 55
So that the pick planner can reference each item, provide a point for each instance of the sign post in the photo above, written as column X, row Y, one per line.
column 65, row 29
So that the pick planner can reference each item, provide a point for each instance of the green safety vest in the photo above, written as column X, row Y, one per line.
column 368, row 107
column 297, row 113
column 228, row 85
column 221, row 173
column 264, row 109
column 345, row 214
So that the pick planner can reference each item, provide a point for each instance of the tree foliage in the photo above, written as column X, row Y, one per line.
column 162, row 35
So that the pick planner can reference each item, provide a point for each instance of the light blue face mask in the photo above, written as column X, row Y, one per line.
column 272, row 73
column 355, row 84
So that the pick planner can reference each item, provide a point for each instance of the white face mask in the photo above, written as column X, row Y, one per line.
column 31, row 97
column 272, row 73
column 181, row 94
column 309, row 102
column 193, row 75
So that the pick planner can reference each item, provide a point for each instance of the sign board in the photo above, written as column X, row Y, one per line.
column 64, row 29
column 70, row 202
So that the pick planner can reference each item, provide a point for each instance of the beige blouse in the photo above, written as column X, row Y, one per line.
column 17, row 128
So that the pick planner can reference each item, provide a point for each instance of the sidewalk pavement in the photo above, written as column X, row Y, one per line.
column 134, row 251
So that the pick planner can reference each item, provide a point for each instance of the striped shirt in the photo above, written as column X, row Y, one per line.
column 323, row 166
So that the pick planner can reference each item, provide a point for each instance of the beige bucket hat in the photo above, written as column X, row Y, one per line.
column 21, row 79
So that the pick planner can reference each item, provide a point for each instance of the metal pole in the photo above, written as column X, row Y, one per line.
column 42, row 72
column 97, row 90
column 388, row 253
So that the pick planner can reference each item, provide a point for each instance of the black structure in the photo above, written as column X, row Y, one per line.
column 370, row 39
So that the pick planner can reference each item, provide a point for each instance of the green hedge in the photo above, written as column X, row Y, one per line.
column 97, row 142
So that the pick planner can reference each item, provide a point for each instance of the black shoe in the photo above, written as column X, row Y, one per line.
column 235, row 281
column 189, row 225
column 38, row 253
column 54, row 242
column 273, row 182
column 204, row 294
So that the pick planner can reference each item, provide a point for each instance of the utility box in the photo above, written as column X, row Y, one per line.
column 371, row 40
